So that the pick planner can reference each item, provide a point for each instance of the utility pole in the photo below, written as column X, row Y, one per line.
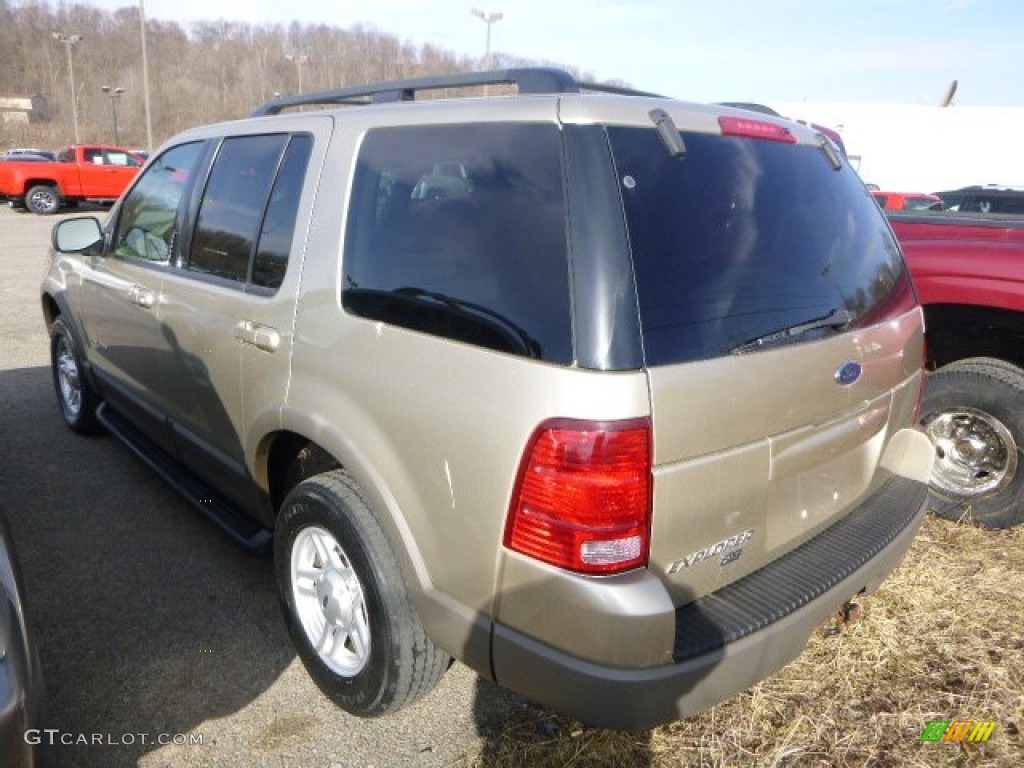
column 69, row 42
column 299, row 59
column 489, row 19
column 145, row 77
column 114, row 94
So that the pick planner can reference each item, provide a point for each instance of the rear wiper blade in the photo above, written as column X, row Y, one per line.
column 837, row 318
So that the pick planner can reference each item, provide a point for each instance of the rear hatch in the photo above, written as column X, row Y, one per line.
column 781, row 336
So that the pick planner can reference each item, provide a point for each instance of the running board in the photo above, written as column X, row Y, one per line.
column 238, row 526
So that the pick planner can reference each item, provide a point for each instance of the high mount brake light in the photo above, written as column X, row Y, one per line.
column 582, row 500
column 755, row 129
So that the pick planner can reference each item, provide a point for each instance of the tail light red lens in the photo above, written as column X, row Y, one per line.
column 755, row 129
column 582, row 500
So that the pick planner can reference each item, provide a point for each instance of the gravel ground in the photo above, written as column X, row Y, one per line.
column 149, row 621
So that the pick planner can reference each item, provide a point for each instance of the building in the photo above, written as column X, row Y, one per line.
column 23, row 109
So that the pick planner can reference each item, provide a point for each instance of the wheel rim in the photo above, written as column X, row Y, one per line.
column 43, row 201
column 68, row 380
column 975, row 454
column 330, row 602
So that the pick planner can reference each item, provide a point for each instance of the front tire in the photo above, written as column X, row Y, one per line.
column 346, row 603
column 973, row 412
column 43, row 199
column 75, row 395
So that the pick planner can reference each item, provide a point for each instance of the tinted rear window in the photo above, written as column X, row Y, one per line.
column 740, row 238
column 459, row 231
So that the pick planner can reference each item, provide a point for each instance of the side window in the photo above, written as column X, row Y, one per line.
column 1013, row 205
column 94, row 156
column 146, row 222
column 279, row 223
column 119, row 158
column 232, row 206
column 459, row 231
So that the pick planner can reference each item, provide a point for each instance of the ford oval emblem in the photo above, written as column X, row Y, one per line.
column 848, row 373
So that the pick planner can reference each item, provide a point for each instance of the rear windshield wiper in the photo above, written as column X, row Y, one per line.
column 837, row 318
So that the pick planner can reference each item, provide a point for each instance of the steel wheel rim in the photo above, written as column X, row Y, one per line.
column 329, row 601
column 44, row 201
column 68, row 380
column 975, row 454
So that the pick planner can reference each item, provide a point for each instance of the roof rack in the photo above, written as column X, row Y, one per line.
column 529, row 80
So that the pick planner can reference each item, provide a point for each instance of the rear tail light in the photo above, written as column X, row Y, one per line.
column 755, row 129
column 582, row 500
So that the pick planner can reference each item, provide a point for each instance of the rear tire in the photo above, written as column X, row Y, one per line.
column 973, row 412
column 43, row 199
column 345, row 602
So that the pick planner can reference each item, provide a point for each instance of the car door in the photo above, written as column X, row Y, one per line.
column 105, row 174
column 117, row 172
column 227, row 310
column 121, row 290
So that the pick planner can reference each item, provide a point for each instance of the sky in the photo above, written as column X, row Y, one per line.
column 770, row 51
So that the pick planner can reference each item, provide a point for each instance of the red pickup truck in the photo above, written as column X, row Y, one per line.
column 969, row 272
column 81, row 172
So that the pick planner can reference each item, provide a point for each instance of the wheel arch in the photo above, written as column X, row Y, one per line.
column 54, row 305
column 28, row 183
column 290, row 458
column 51, row 309
column 959, row 331
column 286, row 457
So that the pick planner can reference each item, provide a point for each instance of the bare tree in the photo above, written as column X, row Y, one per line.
column 199, row 73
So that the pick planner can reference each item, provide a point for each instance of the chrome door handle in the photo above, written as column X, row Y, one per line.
column 261, row 336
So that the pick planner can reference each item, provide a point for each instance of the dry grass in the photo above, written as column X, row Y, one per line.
column 943, row 639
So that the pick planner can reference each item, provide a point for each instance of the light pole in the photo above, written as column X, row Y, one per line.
column 299, row 59
column 114, row 94
column 69, row 42
column 145, row 77
column 489, row 19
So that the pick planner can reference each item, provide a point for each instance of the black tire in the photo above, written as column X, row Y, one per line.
column 43, row 199
column 377, row 656
column 75, row 395
column 973, row 412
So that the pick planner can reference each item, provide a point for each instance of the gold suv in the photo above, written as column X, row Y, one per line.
column 609, row 396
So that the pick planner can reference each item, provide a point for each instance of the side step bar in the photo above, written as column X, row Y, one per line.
column 239, row 527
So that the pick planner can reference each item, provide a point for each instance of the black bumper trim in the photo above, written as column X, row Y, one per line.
column 800, row 576
column 635, row 699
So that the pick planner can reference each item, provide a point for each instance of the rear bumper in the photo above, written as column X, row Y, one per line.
column 730, row 640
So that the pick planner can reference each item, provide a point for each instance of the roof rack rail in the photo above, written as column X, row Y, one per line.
column 529, row 80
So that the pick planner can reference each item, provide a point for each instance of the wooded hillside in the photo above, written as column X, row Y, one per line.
column 198, row 73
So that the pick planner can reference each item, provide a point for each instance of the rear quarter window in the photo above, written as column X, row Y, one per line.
column 739, row 238
column 459, row 231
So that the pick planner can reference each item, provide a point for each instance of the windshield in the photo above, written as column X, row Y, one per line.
column 740, row 238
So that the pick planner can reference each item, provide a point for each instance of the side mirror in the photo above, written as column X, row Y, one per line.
column 77, row 235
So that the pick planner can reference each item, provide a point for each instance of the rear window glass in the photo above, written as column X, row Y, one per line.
column 995, row 204
column 741, row 238
column 459, row 231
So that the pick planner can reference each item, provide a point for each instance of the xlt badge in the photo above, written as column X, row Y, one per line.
column 732, row 546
